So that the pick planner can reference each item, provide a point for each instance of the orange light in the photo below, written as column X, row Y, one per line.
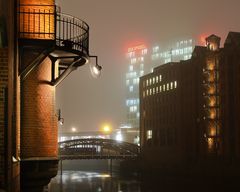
column 211, row 89
column 210, row 66
column 212, row 114
column 212, row 102
column 212, row 131
column 210, row 143
column 37, row 19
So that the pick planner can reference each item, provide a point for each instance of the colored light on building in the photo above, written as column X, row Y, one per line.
column 136, row 48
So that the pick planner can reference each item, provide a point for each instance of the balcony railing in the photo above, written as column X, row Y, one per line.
column 72, row 33
column 46, row 22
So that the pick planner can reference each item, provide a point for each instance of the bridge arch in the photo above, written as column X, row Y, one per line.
column 96, row 148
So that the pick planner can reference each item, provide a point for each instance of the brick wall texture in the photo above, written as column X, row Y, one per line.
column 3, row 86
column 38, row 117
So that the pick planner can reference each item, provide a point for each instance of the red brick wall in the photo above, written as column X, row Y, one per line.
column 3, row 85
column 38, row 119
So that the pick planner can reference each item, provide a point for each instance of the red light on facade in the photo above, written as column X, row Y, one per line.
column 136, row 48
column 202, row 39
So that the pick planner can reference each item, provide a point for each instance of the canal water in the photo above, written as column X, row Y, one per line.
column 97, row 176
column 92, row 176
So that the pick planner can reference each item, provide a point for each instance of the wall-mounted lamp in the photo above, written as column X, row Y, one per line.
column 60, row 119
column 95, row 68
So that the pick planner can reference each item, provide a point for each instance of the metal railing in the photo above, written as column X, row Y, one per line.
column 46, row 22
column 72, row 33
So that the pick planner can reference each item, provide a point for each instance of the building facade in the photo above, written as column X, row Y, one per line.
column 189, row 109
column 38, row 49
column 142, row 60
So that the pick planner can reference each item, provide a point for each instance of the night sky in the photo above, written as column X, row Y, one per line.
column 86, row 103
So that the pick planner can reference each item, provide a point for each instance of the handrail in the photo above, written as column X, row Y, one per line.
column 72, row 33
column 46, row 22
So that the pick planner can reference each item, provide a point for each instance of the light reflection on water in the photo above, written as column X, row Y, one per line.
column 71, row 181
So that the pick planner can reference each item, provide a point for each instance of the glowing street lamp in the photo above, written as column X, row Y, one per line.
column 106, row 129
column 95, row 68
column 74, row 129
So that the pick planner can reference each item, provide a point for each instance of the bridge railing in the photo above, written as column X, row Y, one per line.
column 98, row 147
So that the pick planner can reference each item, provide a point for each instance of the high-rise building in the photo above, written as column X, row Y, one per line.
column 142, row 60
column 189, row 110
column 137, row 57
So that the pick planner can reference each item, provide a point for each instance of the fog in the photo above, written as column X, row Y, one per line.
column 86, row 102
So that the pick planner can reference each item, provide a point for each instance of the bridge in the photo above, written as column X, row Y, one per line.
column 96, row 148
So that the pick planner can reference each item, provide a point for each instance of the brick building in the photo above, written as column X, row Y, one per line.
column 35, row 56
column 190, row 109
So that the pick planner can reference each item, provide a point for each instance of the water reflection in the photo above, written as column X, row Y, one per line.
column 71, row 181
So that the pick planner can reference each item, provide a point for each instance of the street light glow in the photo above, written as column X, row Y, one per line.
column 106, row 128
column 74, row 129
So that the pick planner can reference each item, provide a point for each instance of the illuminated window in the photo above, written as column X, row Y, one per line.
column 133, row 60
column 153, row 91
column 156, row 79
column 131, row 88
column 173, row 52
column 131, row 54
column 153, row 79
column 163, row 87
column 133, row 108
column 155, row 49
column 167, row 60
column 167, row 86
column 150, row 81
column 141, row 59
column 156, row 89
column 175, row 84
column 144, row 51
column 149, row 134
column 160, row 88
column 143, row 83
column 210, row 144
column 160, row 78
column 130, row 68
column 147, row 92
column 185, row 57
column 171, row 85
column 138, row 114
column 143, row 94
column 135, row 81
column 150, row 92
column 177, row 51
column 147, row 82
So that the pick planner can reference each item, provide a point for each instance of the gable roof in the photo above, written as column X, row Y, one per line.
column 233, row 38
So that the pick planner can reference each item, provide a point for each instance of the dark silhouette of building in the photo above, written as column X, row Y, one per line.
column 189, row 110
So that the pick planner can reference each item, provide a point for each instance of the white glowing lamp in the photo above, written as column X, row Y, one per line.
column 95, row 68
